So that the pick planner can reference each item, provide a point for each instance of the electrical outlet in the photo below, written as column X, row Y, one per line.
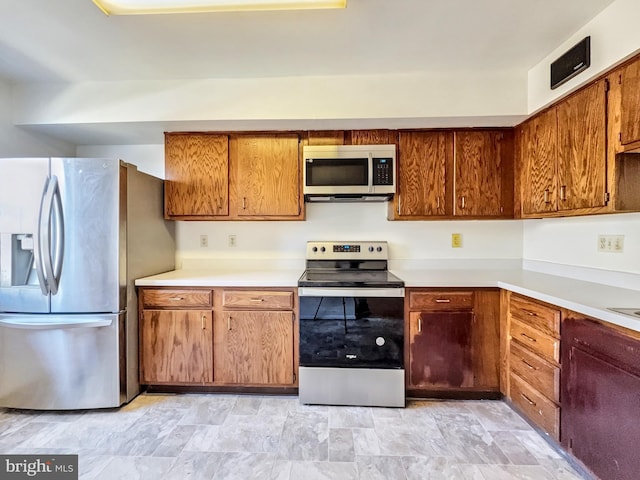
column 232, row 241
column 456, row 240
column 611, row 243
column 204, row 241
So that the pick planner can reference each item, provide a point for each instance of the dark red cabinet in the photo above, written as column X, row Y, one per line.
column 601, row 398
column 441, row 349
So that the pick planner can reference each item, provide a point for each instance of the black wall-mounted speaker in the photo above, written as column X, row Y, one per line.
column 576, row 60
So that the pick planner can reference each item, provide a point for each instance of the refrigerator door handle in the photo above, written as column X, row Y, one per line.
column 43, row 325
column 38, row 250
column 44, row 234
column 59, row 245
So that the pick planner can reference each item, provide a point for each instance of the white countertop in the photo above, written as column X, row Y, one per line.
column 588, row 298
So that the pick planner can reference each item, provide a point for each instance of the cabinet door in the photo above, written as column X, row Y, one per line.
column 176, row 346
column 440, row 349
column 268, row 180
column 601, row 397
column 254, row 348
column 582, row 155
column 197, row 175
column 538, row 163
column 422, row 182
column 372, row 137
column 630, row 118
column 482, row 159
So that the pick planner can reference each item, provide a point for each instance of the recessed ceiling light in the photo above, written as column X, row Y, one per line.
column 136, row 7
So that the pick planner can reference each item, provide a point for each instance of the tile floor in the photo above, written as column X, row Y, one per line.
column 205, row 437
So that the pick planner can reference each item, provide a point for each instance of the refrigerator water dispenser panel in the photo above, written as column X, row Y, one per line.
column 17, row 260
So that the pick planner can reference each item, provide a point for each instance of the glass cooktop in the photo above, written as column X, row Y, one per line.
column 349, row 278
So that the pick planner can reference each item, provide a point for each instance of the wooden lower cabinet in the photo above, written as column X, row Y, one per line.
column 452, row 346
column 254, row 347
column 177, row 347
column 218, row 337
column 532, row 361
column 601, row 397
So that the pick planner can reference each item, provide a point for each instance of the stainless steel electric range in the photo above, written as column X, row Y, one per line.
column 351, row 326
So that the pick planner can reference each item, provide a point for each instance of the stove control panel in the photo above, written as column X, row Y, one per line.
column 347, row 250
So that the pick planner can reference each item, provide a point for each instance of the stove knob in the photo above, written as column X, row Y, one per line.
column 315, row 249
column 322, row 249
column 371, row 249
column 379, row 249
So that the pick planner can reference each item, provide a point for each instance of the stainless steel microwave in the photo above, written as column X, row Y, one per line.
column 349, row 172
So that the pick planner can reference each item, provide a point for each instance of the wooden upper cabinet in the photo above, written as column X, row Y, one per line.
column 483, row 173
column 582, row 148
column 325, row 137
column 196, row 170
column 372, row 137
column 630, row 115
column 538, row 153
column 268, row 175
column 422, row 167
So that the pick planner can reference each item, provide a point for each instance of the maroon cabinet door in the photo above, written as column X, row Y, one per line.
column 601, row 399
column 441, row 350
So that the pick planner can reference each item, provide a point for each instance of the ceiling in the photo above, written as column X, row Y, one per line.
column 70, row 41
column 73, row 41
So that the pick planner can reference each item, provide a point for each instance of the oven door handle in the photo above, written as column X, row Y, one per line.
column 350, row 292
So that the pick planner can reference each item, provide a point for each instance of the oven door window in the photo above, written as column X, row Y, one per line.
column 356, row 332
column 322, row 172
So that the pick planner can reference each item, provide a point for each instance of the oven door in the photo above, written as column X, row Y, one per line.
column 350, row 329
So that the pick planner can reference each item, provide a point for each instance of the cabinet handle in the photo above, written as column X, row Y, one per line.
column 563, row 193
column 244, row 203
column 443, row 300
column 462, row 203
column 419, row 324
column 529, row 401
column 203, row 320
column 531, row 367
column 176, row 298
column 399, row 203
column 528, row 337
column 257, row 299
column 530, row 313
column 438, row 203
column 546, row 196
column 229, row 322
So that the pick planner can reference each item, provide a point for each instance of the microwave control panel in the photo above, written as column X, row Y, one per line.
column 383, row 171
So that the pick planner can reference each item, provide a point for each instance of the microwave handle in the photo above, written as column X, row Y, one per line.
column 370, row 180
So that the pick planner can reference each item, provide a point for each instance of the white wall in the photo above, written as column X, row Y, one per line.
column 573, row 241
column 148, row 158
column 16, row 142
column 615, row 36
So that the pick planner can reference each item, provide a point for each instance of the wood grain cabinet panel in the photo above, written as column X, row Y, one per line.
column 176, row 347
column 582, row 149
column 254, row 348
column 197, row 175
column 541, row 316
column 271, row 300
column 483, row 173
column 536, row 406
column 630, row 114
column 538, row 154
column 268, row 175
column 422, row 182
column 177, row 298
column 372, row 137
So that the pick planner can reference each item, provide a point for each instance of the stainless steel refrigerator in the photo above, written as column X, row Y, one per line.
column 74, row 235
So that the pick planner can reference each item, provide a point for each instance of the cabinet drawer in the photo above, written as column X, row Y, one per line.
column 535, row 314
column 537, row 372
column 440, row 300
column 537, row 341
column 534, row 405
column 177, row 298
column 255, row 299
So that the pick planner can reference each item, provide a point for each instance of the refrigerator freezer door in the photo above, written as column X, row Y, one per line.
column 94, row 236
column 22, row 185
column 60, row 362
